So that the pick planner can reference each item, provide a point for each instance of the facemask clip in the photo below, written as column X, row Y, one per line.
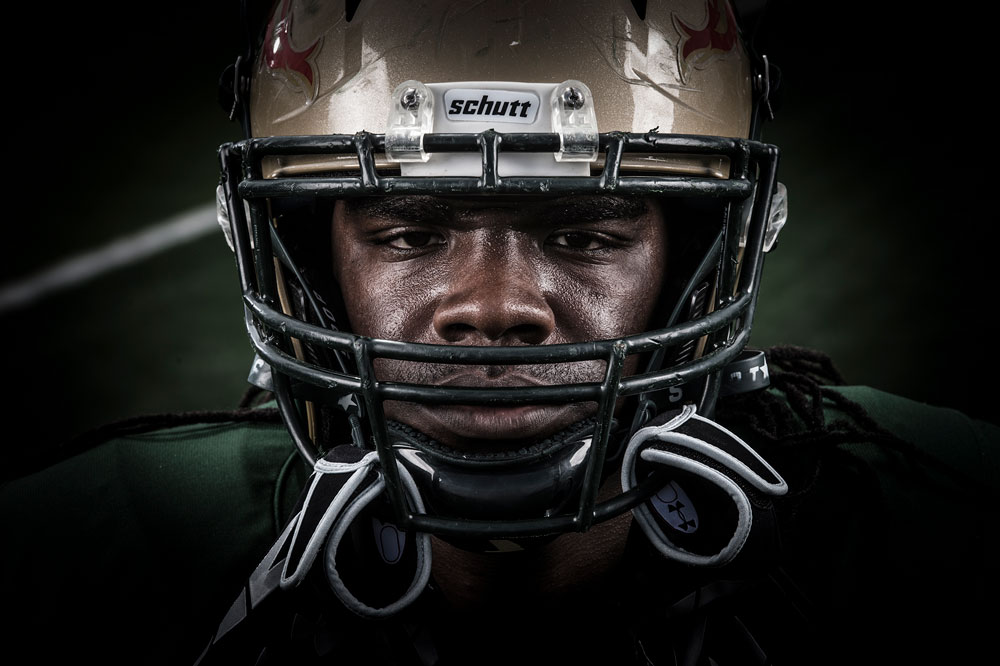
column 411, row 116
column 574, row 119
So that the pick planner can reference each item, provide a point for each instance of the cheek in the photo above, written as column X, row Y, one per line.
column 383, row 300
column 377, row 308
column 614, row 300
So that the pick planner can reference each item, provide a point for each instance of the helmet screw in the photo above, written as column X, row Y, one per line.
column 572, row 98
column 410, row 99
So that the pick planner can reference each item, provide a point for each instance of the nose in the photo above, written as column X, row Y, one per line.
column 494, row 296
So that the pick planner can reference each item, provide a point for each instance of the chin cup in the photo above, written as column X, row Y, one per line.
column 538, row 481
column 529, row 483
column 703, row 515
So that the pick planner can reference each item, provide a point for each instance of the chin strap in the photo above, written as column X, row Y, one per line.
column 338, row 500
column 343, row 484
column 718, row 484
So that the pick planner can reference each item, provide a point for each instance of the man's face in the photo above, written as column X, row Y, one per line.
column 495, row 272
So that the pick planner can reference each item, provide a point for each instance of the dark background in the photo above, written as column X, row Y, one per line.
column 886, row 262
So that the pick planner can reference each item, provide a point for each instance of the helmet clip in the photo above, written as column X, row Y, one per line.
column 574, row 119
column 411, row 116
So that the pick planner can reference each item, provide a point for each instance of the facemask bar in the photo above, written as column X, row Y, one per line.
column 752, row 163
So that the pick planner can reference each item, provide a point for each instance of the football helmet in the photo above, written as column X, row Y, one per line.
column 379, row 99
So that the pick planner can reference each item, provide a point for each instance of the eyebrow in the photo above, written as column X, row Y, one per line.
column 408, row 208
column 579, row 209
column 594, row 208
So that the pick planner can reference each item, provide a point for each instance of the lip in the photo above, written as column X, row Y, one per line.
column 479, row 380
column 486, row 428
column 491, row 429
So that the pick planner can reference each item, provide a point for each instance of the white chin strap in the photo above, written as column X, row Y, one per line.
column 338, row 492
column 703, row 515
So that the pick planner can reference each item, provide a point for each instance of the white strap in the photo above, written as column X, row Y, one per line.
column 423, row 569
column 359, row 471
column 640, row 447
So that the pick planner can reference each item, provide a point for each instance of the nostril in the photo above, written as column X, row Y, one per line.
column 481, row 323
column 456, row 332
column 531, row 334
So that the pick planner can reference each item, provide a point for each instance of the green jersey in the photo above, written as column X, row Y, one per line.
column 134, row 548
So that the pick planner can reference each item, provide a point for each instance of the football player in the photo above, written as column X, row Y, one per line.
column 499, row 263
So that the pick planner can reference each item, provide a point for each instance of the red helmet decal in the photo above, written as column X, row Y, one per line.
column 699, row 45
column 279, row 55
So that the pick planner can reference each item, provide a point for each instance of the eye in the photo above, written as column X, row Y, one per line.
column 576, row 240
column 414, row 240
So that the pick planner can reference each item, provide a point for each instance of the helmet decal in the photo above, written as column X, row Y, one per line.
column 295, row 66
column 698, row 46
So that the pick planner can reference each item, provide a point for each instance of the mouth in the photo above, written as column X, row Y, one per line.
column 489, row 428
column 492, row 429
